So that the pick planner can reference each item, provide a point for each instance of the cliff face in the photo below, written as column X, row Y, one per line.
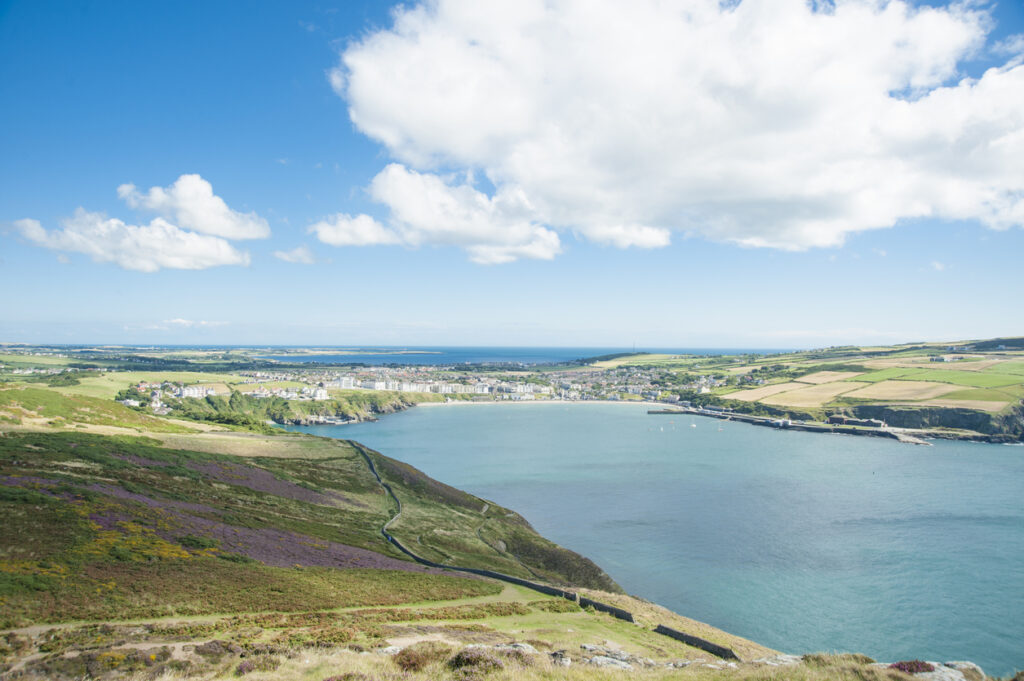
column 365, row 412
column 1003, row 427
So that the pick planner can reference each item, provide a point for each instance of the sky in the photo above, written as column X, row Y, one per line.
column 658, row 173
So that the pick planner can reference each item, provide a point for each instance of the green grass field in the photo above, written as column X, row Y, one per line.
column 14, row 360
column 883, row 375
column 19, row 403
column 109, row 384
column 1012, row 368
column 975, row 379
column 1005, row 393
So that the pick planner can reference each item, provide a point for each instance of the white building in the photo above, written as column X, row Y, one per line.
column 195, row 391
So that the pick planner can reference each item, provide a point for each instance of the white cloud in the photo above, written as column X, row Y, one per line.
column 762, row 122
column 194, row 243
column 1010, row 46
column 300, row 255
column 145, row 248
column 427, row 210
column 938, row 266
column 345, row 230
column 191, row 203
column 190, row 323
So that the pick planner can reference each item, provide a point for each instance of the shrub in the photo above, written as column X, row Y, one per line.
column 912, row 666
column 120, row 553
column 475, row 660
column 417, row 656
column 555, row 605
column 216, row 649
column 517, row 656
column 827, row 660
column 190, row 541
column 261, row 663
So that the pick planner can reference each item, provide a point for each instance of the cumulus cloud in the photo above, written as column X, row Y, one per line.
column 191, row 203
column 145, row 248
column 425, row 209
column 300, row 255
column 766, row 123
column 345, row 230
column 198, row 241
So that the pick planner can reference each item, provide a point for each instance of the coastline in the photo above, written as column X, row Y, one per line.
column 663, row 409
column 902, row 435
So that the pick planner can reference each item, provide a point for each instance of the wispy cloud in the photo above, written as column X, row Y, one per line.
column 179, row 323
column 300, row 255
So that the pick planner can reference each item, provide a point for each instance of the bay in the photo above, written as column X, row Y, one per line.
column 802, row 542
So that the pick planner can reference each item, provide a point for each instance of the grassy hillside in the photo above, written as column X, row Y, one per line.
column 323, row 643
column 102, row 525
column 29, row 404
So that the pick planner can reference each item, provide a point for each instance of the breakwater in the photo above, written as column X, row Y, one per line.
column 584, row 602
column 788, row 424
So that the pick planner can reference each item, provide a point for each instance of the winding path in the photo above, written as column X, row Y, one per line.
column 543, row 588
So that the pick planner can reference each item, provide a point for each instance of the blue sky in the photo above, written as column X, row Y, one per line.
column 762, row 176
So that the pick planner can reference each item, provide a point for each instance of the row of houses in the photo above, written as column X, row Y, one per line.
column 304, row 393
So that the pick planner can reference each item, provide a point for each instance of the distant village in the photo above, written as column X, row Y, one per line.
column 320, row 384
column 519, row 384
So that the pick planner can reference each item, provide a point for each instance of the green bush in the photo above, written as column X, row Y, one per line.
column 417, row 656
column 190, row 541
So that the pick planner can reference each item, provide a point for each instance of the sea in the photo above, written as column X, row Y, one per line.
column 449, row 355
column 802, row 542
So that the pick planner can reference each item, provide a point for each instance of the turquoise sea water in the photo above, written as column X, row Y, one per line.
column 800, row 541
